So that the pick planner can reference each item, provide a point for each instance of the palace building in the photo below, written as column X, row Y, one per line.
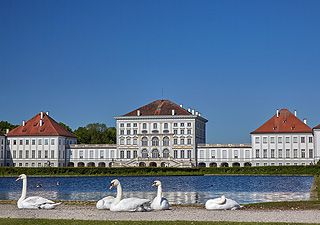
column 161, row 134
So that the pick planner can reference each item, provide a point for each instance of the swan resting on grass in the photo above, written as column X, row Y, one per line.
column 222, row 203
column 34, row 202
column 159, row 202
column 128, row 204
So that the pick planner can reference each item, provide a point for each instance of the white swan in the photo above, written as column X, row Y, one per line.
column 128, row 204
column 159, row 202
column 222, row 203
column 34, row 202
column 105, row 203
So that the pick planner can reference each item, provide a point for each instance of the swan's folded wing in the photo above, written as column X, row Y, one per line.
column 218, row 201
column 132, row 204
column 37, row 200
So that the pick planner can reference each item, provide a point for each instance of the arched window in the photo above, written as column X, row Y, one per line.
column 166, row 153
column 165, row 141
column 144, row 153
column 155, row 153
column 144, row 141
column 155, row 141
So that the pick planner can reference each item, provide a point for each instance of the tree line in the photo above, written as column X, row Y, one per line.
column 93, row 133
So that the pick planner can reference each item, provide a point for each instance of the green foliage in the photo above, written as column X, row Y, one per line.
column 96, row 133
column 66, row 127
column 4, row 125
column 138, row 171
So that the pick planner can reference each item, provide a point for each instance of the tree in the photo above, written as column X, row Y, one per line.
column 96, row 133
column 66, row 127
column 4, row 125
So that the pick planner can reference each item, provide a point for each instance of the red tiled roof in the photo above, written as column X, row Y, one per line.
column 159, row 107
column 317, row 127
column 1, row 134
column 49, row 127
column 285, row 123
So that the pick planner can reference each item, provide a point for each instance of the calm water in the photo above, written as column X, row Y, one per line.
column 177, row 189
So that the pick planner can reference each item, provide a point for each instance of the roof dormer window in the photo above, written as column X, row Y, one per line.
column 292, row 128
column 284, row 121
column 274, row 128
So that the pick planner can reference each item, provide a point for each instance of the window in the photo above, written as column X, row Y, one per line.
column 14, row 142
column 182, row 141
column 128, row 141
column 40, row 142
column 182, row 124
column 175, row 141
column 189, row 141
column 155, row 153
column 264, row 139
column 59, row 141
column 121, row 154
column 101, row 154
column 52, row 154
column 265, row 164
column 165, row 141
column 189, row 125
column 280, row 153
column 265, row 153
column 121, row 132
column 272, row 140
column 135, row 132
column 128, row 124
column 144, row 153
column 20, row 154
column 112, row 154
column 52, row 141
column 121, row 141
column 144, row 141
column 303, row 153
column 182, row 131
column 287, row 153
column 295, row 140
column 182, row 154
column 39, row 164
column 81, row 154
column 279, row 139
column 310, row 153
column 165, row 125
column 46, row 141
column 39, row 154
column 303, row 140
column 135, row 154
column 135, row 141
column 175, row 154
column 189, row 131
column 247, row 154
column 27, row 154
column 33, row 142
column 272, row 153
column 257, row 153
column 27, row 142
column 33, row 154
column 32, row 164
column 287, row 139
column 21, row 142
column 128, row 154
column 14, row 154
column 121, row 125
column 189, row 154
column 155, row 141
column 310, row 139
column 154, row 126
column 128, row 132
column 175, row 131
column 201, row 154
column 135, row 125
column 295, row 153
column 166, row 153
column 236, row 154
column 257, row 140
column 224, row 154
column 144, row 126
column 46, row 154
column 175, row 124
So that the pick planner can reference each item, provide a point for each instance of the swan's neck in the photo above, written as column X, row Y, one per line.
column 159, row 193
column 24, row 189
column 119, row 193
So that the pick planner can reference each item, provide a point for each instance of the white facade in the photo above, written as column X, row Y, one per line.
column 2, row 148
column 316, row 133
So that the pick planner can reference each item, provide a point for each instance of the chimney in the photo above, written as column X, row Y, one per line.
column 8, row 130
column 277, row 113
column 40, row 123
column 295, row 112
column 47, row 113
column 305, row 120
column 173, row 112
column 138, row 112
column 41, row 115
column 197, row 112
column 181, row 105
column 193, row 112
column 23, row 122
column 189, row 109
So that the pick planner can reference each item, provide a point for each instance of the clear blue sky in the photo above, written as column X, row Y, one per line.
column 236, row 62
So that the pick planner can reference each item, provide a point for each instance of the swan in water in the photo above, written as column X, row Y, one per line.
column 128, row 204
column 105, row 203
column 159, row 202
column 222, row 203
column 34, row 202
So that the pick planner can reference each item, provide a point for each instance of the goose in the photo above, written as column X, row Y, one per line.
column 159, row 202
column 222, row 203
column 105, row 203
column 128, row 204
column 34, row 202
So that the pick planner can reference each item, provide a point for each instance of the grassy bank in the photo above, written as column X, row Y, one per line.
column 139, row 171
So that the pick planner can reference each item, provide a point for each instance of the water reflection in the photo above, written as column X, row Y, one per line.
column 177, row 189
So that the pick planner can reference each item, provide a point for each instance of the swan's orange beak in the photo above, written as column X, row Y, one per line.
column 154, row 184
column 111, row 186
column 18, row 178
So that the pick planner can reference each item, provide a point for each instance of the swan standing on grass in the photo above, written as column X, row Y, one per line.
column 222, row 203
column 105, row 203
column 128, row 204
column 34, row 202
column 159, row 202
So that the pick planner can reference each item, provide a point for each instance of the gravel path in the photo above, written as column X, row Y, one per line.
column 89, row 212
